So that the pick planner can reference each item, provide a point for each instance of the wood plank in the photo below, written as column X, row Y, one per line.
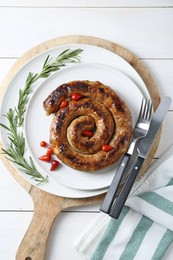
column 13, row 227
column 161, row 71
column 66, row 231
column 88, row 3
column 85, row 3
column 67, row 228
column 14, row 196
column 167, row 137
column 133, row 28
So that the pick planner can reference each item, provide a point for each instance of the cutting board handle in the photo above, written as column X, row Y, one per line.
column 46, row 208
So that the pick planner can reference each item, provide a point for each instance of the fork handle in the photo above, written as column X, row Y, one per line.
column 112, row 191
column 121, row 199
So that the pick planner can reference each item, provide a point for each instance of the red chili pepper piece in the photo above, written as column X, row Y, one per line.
column 106, row 148
column 45, row 158
column 76, row 96
column 87, row 133
column 43, row 143
column 54, row 165
column 49, row 151
column 64, row 103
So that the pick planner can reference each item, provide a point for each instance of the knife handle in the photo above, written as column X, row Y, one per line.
column 110, row 195
column 121, row 199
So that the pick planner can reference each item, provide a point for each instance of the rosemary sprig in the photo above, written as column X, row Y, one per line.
column 15, row 151
column 15, row 117
column 49, row 66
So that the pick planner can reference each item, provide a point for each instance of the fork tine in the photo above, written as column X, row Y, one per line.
column 145, row 109
column 141, row 112
column 148, row 110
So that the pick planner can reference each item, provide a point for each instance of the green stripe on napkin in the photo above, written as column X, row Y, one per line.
column 109, row 235
column 136, row 239
column 170, row 182
column 164, row 244
column 158, row 201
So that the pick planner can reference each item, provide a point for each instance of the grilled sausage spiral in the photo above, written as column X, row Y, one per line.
column 97, row 110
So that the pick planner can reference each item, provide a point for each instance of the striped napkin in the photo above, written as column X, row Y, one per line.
column 144, row 229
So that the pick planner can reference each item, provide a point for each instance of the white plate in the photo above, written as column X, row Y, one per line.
column 37, row 124
column 91, row 54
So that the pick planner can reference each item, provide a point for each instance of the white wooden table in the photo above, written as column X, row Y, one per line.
column 144, row 27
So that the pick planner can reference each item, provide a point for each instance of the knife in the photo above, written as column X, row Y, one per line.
column 142, row 151
column 122, row 170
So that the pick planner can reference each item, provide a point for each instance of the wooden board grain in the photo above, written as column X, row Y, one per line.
column 45, row 213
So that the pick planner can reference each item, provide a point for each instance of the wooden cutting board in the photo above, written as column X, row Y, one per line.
column 33, row 245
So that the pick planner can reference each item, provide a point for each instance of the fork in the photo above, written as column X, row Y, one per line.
column 140, row 131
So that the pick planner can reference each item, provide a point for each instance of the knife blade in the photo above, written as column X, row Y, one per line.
column 142, row 151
